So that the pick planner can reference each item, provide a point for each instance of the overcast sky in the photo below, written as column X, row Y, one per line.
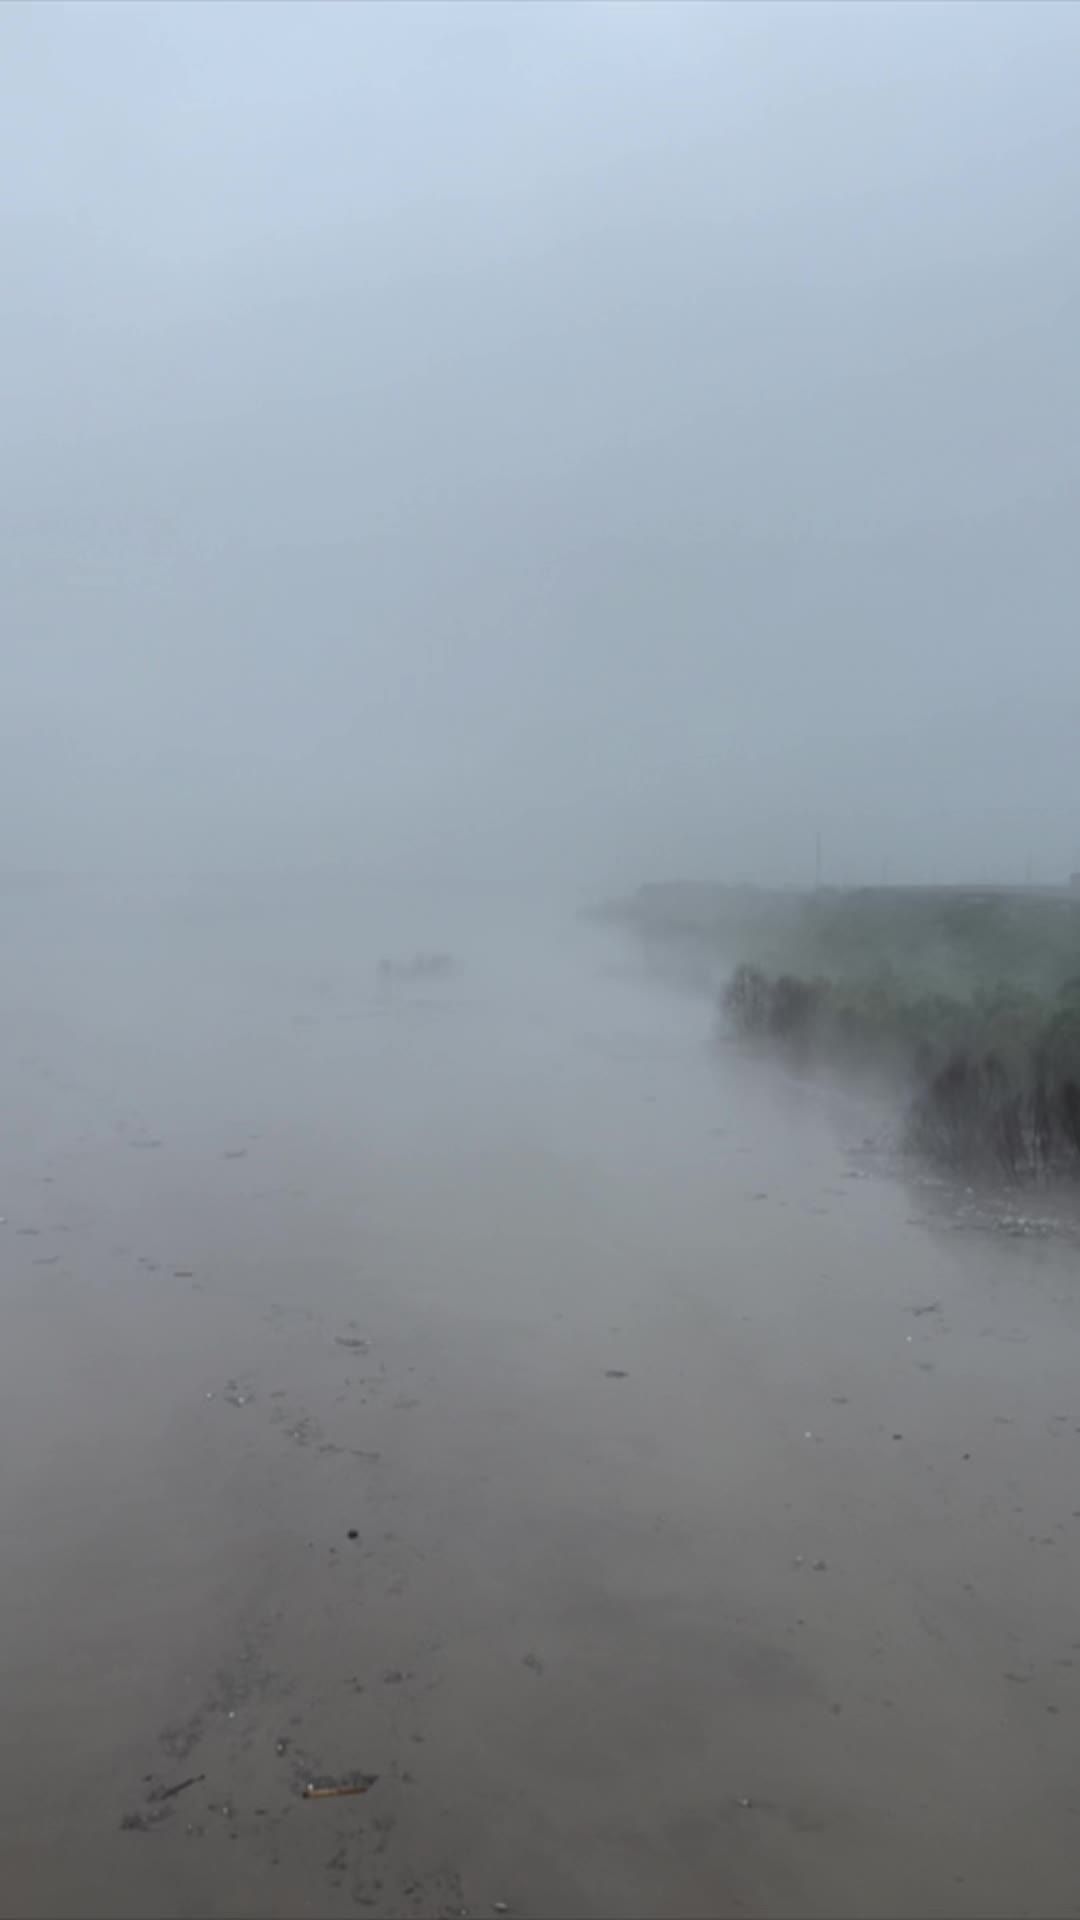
column 599, row 440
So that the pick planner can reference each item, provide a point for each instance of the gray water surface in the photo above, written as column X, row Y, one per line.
column 716, row 1507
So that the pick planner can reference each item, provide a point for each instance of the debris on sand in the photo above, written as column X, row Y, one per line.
column 158, row 1804
column 354, row 1346
column 349, row 1784
column 1020, row 1226
column 616, row 1373
column 143, row 1822
column 169, row 1793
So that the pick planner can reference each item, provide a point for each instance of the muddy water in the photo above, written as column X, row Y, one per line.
column 485, row 1388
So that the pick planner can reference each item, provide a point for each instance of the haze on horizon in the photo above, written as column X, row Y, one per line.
column 577, row 442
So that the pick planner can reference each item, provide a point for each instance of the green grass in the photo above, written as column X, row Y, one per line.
column 947, row 941
column 969, row 1000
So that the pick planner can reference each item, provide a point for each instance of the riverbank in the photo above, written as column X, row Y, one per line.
column 965, row 1002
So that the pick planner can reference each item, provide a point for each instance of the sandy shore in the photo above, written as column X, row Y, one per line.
column 484, row 1389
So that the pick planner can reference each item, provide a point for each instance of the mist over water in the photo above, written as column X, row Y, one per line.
column 464, row 462
column 670, row 1428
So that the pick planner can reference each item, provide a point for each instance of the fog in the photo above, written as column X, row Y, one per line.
column 573, row 443
column 508, row 1409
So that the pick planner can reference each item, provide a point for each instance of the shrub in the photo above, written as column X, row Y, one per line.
column 994, row 1081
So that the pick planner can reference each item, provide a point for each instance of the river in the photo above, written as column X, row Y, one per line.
column 492, row 1387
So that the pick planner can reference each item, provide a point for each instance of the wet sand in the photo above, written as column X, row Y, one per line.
column 716, row 1507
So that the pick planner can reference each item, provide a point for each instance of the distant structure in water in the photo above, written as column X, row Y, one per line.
column 421, row 966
